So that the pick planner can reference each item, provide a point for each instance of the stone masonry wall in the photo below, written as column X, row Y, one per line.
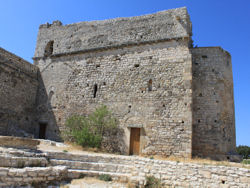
column 171, row 173
column 72, row 38
column 35, row 176
column 18, row 88
column 213, row 103
column 122, row 78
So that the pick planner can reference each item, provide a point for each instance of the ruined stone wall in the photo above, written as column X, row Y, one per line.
column 213, row 103
column 122, row 80
column 18, row 88
column 72, row 38
column 31, row 176
column 19, row 167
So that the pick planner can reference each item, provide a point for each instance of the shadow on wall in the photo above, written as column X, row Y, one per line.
column 113, row 143
column 18, row 87
column 47, row 127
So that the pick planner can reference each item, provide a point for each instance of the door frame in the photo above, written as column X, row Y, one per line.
column 42, row 128
column 130, row 141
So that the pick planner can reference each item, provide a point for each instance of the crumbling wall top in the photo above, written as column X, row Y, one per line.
column 17, row 62
column 164, row 25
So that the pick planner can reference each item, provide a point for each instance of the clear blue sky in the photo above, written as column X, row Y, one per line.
column 223, row 23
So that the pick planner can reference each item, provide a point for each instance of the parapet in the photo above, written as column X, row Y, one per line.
column 17, row 62
column 160, row 26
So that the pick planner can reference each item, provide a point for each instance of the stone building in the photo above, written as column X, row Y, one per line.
column 170, row 98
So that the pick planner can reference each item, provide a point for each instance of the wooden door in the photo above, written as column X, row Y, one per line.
column 42, row 130
column 134, row 141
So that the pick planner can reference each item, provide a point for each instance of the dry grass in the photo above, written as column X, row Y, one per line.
column 202, row 161
column 76, row 149
column 71, row 148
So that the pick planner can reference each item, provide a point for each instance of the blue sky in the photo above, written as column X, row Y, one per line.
column 224, row 23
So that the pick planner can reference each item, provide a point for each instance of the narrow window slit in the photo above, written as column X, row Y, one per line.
column 150, row 85
column 95, row 90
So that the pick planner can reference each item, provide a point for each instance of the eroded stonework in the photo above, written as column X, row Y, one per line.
column 147, row 72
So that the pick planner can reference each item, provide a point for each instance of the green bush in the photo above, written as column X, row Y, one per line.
column 105, row 177
column 152, row 182
column 88, row 131
column 244, row 151
column 245, row 161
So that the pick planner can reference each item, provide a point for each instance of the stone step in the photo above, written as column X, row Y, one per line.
column 21, row 162
column 93, row 157
column 22, row 152
column 96, row 166
column 76, row 173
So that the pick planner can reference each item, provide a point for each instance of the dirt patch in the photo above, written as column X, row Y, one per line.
column 91, row 182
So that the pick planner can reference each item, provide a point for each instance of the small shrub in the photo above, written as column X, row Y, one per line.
column 152, row 182
column 65, row 151
column 88, row 131
column 152, row 157
column 20, row 164
column 36, row 163
column 105, row 177
column 82, row 175
column 245, row 161
column 244, row 151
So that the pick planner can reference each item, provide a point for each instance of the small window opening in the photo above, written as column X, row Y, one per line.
column 98, row 65
column 215, row 121
column 49, row 49
column 163, row 105
column 150, row 85
column 228, row 157
column 199, row 120
column 223, row 181
column 51, row 93
column 129, row 106
column 136, row 65
column 104, row 83
column 182, row 121
column 95, row 90
column 204, row 56
column 200, row 95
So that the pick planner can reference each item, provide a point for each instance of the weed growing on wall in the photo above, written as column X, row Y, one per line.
column 152, row 182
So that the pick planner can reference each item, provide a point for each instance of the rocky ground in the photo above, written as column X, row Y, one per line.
column 52, row 163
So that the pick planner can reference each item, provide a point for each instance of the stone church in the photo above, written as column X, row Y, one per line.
column 171, row 98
